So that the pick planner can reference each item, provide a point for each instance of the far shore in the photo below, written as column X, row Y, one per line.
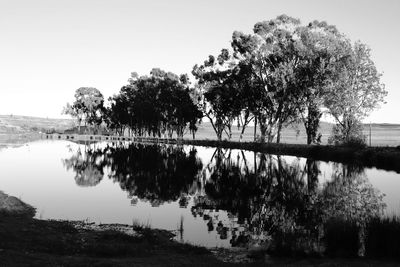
column 386, row 158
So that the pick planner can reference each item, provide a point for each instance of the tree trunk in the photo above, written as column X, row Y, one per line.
column 263, row 131
column 309, row 136
column 219, row 135
column 241, row 133
column 311, row 123
column 255, row 128
column 267, row 132
column 229, row 132
column 278, row 136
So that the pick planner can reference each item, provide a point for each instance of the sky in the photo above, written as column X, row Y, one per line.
column 50, row 48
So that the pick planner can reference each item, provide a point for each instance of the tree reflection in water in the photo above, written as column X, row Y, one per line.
column 270, row 201
column 154, row 173
column 88, row 165
column 282, row 205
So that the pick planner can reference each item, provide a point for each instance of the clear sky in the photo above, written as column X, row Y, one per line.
column 49, row 48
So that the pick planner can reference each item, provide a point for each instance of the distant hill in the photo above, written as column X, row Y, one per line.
column 10, row 124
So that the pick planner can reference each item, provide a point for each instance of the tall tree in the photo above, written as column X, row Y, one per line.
column 353, row 92
column 116, row 116
column 160, row 104
column 224, row 86
column 269, row 54
column 320, row 45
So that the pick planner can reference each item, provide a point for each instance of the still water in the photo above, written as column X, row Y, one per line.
column 208, row 196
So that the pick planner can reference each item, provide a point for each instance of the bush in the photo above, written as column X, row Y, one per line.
column 350, row 136
column 355, row 142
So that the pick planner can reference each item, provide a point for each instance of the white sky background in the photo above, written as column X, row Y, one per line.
column 49, row 48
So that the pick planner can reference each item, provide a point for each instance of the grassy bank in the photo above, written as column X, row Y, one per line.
column 386, row 158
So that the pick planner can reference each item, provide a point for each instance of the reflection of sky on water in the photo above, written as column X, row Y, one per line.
column 36, row 174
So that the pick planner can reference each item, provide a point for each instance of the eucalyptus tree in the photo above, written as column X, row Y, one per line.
column 116, row 116
column 270, row 56
column 223, row 86
column 319, row 47
column 160, row 104
column 74, row 111
column 88, row 106
column 290, row 66
column 353, row 92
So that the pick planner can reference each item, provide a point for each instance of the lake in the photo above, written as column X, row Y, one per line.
column 207, row 196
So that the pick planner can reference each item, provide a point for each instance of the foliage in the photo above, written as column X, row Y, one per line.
column 353, row 91
column 224, row 87
column 269, row 56
column 157, row 104
column 149, row 172
column 88, row 106
column 281, row 74
column 351, row 196
column 286, row 72
column 318, row 47
column 116, row 116
column 351, row 135
column 88, row 167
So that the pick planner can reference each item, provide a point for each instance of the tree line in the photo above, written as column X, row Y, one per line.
column 283, row 73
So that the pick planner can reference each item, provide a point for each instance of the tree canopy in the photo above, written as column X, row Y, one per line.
column 88, row 106
column 282, row 74
column 158, row 104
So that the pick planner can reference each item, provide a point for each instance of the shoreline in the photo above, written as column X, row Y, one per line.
column 385, row 158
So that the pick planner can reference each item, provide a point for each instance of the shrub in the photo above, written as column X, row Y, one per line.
column 355, row 142
column 350, row 135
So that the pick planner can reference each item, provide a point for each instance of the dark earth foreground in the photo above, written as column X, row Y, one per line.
column 25, row 241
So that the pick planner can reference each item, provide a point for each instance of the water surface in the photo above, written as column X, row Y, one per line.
column 212, row 197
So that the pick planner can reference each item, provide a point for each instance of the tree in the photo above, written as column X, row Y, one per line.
column 353, row 92
column 270, row 55
column 116, row 116
column 88, row 106
column 158, row 104
column 88, row 166
column 74, row 111
column 224, row 88
column 320, row 45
